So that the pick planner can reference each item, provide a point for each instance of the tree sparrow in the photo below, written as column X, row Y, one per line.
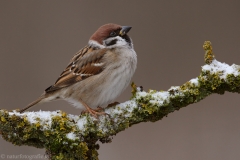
column 96, row 74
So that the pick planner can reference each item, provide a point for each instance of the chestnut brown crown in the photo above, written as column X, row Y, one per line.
column 109, row 30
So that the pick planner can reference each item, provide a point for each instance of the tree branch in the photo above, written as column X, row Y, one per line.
column 74, row 137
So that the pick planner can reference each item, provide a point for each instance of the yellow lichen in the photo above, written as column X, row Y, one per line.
column 3, row 119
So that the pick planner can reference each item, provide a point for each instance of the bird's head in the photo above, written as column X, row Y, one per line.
column 111, row 35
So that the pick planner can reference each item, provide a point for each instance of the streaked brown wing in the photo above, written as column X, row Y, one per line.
column 86, row 63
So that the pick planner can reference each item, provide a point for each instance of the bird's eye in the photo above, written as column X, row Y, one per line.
column 112, row 34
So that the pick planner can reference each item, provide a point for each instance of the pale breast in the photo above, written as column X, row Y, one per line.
column 103, row 88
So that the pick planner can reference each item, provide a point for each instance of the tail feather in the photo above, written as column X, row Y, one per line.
column 32, row 104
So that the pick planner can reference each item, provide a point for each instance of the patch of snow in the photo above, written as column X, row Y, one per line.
column 160, row 97
column 42, row 117
column 177, row 91
column 139, row 89
column 73, row 117
column 141, row 94
column 126, row 106
column 65, row 142
column 194, row 81
column 81, row 123
column 222, row 68
column 174, row 88
column 71, row 135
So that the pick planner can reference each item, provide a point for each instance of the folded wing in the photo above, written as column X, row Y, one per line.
column 86, row 63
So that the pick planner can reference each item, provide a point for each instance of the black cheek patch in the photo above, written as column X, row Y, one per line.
column 111, row 42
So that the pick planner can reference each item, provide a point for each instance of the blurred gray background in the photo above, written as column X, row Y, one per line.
column 38, row 38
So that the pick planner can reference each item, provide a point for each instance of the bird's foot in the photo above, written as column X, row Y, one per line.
column 94, row 112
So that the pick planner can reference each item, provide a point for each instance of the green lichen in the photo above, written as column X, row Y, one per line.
column 53, row 137
column 209, row 57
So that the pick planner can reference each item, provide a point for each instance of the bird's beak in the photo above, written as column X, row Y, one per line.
column 124, row 30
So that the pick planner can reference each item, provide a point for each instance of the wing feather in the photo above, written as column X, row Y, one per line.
column 84, row 64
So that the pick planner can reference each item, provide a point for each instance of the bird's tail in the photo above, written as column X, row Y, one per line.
column 33, row 103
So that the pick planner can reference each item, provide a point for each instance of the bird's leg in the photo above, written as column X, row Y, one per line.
column 93, row 112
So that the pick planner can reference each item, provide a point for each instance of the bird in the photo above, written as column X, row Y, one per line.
column 97, row 74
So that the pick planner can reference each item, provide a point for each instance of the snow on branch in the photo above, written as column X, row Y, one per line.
column 66, row 136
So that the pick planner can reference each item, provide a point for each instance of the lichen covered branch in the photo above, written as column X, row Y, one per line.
column 66, row 136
